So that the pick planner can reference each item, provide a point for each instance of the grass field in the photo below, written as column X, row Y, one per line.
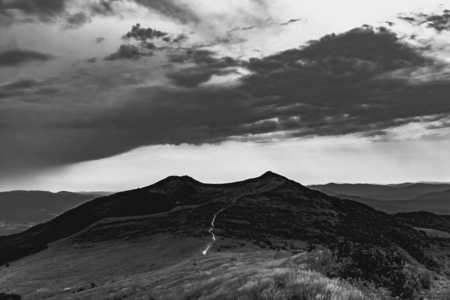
column 164, row 267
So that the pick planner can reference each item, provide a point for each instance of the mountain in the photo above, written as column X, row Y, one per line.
column 434, row 196
column 20, row 210
column 431, row 197
column 383, row 192
column 440, row 206
column 157, row 238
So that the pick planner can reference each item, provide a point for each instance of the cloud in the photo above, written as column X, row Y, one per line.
column 104, row 7
column 41, row 8
column 197, row 56
column 201, row 66
column 159, row 41
column 16, row 57
column 49, row 10
column 340, row 84
column 127, row 52
column 143, row 34
column 438, row 21
column 59, row 11
column 172, row 9
column 24, row 83
column 193, row 76
column 22, row 88
column 77, row 20
column 379, row 46
column 292, row 21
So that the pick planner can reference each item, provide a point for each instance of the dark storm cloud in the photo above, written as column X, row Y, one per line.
column 190, row 77
column 438, row 21
column 16, row 57
column 381, row 47
column 76, row 132
column 340, row 84
column 201, row 57
column 206, row 65
column 193, row 76
column 127, row 52
column 192, row 55
column 143, row 34
column 77, row 20
column 144, row 47
column 337, row 85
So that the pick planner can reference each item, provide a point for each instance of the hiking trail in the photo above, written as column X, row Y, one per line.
column 213, row 236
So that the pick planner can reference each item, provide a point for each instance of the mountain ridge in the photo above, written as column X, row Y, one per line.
column 269, row 212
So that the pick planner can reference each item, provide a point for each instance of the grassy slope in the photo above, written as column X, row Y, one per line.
column 118, row 258
column 164, row 267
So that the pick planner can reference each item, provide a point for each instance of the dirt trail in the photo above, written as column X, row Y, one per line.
column 213, row 236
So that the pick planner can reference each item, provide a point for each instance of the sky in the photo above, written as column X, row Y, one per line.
column 109, row 95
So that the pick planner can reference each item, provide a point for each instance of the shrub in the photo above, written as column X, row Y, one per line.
column 4, row 296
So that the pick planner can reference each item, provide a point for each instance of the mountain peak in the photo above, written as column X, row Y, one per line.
column 176, row 179
column 270, row 174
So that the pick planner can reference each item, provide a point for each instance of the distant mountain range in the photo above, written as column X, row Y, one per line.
column 133, row 243
column 407, row 197
column 20, row 210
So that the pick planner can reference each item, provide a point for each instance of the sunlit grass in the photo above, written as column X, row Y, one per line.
column 277, row 278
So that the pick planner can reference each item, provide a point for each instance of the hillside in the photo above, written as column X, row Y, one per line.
column 20, row 210
column 269, row 213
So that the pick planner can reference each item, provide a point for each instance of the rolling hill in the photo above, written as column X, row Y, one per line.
column 121, row 244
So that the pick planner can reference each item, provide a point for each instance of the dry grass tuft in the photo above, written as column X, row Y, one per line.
column 275, row 279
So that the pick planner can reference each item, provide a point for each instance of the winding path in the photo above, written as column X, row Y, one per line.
column 213, row 236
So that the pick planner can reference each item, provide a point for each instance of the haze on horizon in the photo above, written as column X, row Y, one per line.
column 117, row 94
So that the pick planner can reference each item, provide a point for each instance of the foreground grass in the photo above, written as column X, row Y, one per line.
column 279, row 283
column 173, row 270
column 289, row 277
column 166, row 268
